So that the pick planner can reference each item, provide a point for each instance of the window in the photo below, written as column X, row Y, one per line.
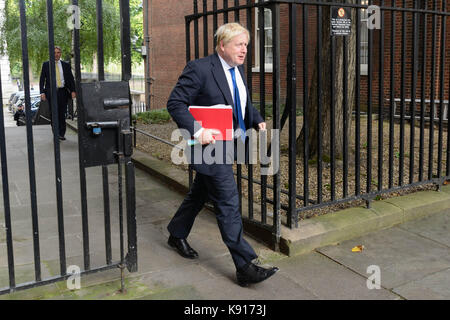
column 268, row 48
column 364, row 32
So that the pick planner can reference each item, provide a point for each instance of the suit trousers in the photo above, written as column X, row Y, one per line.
column 61, row 101
column 221, row 189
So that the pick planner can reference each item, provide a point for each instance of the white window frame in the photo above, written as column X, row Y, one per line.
column 364, row 44
column 268, row 67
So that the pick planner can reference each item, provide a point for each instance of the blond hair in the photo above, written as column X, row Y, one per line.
column 228, row 31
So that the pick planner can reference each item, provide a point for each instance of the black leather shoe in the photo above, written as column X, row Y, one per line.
column 252, row 273
column 183, row 247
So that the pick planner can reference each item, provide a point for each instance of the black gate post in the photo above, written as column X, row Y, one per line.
column 55, row 124
column 276, row 121
column 6, row 202
column 131, row 259
column 30, row 148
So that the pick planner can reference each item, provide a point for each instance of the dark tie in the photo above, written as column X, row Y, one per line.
column 237, row 104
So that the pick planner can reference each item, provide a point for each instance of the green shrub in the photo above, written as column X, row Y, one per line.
column 154, row 116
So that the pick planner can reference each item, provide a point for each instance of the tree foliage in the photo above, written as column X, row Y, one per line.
column 37, row 35
column 137, row 29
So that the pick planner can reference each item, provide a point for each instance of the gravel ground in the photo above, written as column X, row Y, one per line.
column 163, row 151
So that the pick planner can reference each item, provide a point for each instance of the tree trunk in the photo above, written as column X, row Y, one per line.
column 325, row 94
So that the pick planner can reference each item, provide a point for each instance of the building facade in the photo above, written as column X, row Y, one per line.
column 427, row 43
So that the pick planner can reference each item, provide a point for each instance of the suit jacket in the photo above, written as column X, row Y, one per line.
column 44, row 81
column 203, row 83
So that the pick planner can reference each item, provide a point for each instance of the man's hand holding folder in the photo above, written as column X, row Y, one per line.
column 207, row 136
column 216, row 122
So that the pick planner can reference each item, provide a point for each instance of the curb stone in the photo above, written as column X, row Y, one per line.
column 327, row 229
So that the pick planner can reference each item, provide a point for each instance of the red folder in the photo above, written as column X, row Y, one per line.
column 218, row 117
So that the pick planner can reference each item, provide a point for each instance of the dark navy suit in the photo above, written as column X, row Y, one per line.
column 63, row 94
column 203, row 83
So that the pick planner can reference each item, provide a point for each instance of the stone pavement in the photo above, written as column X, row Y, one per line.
column 411, row 259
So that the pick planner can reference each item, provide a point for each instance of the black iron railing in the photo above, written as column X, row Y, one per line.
column 405, row 67
column 129, row 261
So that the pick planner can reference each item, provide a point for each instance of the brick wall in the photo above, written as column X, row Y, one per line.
column 406, row 50
column 167, row 46
column 168, row 50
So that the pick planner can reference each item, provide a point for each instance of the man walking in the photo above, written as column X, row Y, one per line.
column 65, row 87
column 217, row 79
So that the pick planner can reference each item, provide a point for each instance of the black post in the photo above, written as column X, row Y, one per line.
column 215, row 27
column 205, row 29
column 305, row 110
column 402, row 99
column 125, row 39
column 100, row 55
column 196, row 44
column 80, row 123
column 369, row 111
column 332, row 118
column 276, row 120
column 6, row 202
column 250, row 90
column 31, row 164
column 345, row 112
column 131, row 258
column 292, row 214
column 433, row 92
column 358, row 107
column 381, row 104
column 422, row 96
column 262, row 102
column 319, row 107
column 413, row 96
column 392, row 102
column 441, row 90
column 58, row 179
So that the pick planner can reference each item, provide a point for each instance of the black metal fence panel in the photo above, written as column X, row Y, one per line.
column 367, row 112
column 123, row 160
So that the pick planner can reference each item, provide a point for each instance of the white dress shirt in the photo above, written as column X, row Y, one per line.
column 241, row 87
column 239, row 82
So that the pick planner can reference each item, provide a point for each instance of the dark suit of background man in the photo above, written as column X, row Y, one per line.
column 206, row 82
column 65, row 85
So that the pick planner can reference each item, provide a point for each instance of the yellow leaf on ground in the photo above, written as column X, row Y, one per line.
column 358, row 248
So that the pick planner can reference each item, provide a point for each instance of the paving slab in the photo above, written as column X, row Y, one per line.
column 278, row 287
column 401, row 256
column 433, row 287
column 435, row 227
column 178, row 276
column 327, row 279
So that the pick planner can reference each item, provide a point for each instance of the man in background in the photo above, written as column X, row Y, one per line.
column 65, row 87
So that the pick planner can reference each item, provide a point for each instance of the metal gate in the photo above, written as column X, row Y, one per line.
column 104, row 138
column 400, row 85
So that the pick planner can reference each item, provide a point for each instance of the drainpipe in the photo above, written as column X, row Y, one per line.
column 147, row 51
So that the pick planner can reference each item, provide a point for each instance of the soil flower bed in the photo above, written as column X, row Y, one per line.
column 163, row 152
